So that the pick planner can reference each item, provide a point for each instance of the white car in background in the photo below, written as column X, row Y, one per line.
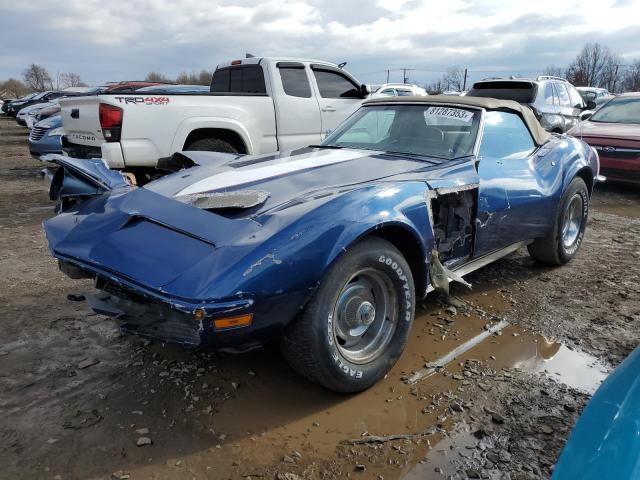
column 27, row 116
column 399, row 90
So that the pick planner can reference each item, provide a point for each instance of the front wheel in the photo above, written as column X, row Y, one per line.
column 357, row 324
column 562, row 244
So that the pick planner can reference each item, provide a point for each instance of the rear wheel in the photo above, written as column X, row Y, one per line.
column 356, row 326
column 562, row 244
column 212, row 145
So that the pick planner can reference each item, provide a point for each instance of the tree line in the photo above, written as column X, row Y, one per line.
column 594, row 66
column 36, row 78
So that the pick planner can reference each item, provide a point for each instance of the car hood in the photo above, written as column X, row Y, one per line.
column 607, row 130
column 267, row 181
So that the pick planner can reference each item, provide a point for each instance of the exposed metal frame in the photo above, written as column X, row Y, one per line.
column 480, row 262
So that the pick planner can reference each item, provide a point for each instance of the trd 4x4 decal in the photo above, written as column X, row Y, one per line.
column 144, row 100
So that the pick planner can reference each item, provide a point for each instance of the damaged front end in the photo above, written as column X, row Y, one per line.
column 76, row 180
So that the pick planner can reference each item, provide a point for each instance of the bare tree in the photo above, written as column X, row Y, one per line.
column 594, row 66
column 631, row 80
column 156, row 77
column 434, row 88
column 70, row 79
column 453, row 78
column 553, row 71
column 187, row 78
column 204, row 78
column 13, row 88
column 37, row 78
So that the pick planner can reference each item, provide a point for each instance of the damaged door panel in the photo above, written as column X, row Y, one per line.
column 453, row 212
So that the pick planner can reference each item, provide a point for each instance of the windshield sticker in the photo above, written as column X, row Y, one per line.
column 446, row 112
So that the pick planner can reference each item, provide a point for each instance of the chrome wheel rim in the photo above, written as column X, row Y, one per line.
column 365, row 316
column 572, row 223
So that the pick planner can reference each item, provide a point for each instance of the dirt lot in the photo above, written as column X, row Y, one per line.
column 77, row 396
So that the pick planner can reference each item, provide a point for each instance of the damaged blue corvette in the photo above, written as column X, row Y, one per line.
column 327, row 248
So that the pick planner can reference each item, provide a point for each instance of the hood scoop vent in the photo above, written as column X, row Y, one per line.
column 223, row 200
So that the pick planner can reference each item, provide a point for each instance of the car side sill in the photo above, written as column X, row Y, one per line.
column 480, row 262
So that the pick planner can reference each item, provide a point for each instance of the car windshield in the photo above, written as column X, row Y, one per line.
column 619, row 110
column 431, row 130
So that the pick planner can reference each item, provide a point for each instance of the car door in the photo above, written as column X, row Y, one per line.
column 297, row 109
column 338, row 95
column 515, row 195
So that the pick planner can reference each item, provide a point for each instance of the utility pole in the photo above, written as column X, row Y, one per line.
column 404, row 75
column 615, row 77
column 388, row 75
column 464, row 82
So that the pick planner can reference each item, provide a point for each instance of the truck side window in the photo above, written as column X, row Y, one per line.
column 240, row 79
column 295, row 82
column 505, row 137
column 334, row 85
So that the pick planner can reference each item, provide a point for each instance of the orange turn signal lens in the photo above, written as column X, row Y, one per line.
column 233, row 322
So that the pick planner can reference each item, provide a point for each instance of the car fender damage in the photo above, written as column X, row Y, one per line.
column 452, row 212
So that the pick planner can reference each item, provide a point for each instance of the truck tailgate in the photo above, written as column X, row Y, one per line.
column 80, row 120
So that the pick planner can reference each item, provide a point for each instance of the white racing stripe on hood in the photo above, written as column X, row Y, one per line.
column 250, row 173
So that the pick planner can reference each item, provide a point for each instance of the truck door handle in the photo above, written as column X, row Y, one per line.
column 75, row 113
column 329, row 109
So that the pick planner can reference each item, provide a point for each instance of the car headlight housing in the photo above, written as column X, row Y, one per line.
column 56, row 131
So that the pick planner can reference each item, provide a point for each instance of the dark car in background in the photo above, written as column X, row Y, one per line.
column 614, row 131
column 46, row 137
column 555, row 102
column 7, row 104
column 42, row 97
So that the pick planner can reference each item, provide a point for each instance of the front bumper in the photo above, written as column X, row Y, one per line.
column 46, row 145
column 158, row 317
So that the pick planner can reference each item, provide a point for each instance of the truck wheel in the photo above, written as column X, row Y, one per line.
column 356, row 325
column 562, row 244
column 212, row 145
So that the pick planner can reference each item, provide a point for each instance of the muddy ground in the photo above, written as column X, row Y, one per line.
column 76, row 397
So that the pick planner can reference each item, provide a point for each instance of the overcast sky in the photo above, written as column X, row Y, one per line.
column 116, row 40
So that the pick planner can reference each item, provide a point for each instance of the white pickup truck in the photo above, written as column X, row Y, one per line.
column 255, row 105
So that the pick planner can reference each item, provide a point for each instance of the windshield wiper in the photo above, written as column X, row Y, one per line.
column 337, row 147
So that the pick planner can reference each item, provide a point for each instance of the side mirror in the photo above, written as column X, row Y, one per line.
column 585, row 116
column 591, row 105
column 364, row 91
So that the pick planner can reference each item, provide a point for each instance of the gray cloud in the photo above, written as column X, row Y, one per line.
column 126, row 43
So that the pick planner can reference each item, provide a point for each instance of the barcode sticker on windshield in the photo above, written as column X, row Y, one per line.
column 446, row 112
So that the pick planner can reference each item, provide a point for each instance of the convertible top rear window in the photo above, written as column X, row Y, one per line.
column 521, row 92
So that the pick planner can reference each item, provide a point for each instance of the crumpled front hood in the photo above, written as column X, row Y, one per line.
column 282, row 177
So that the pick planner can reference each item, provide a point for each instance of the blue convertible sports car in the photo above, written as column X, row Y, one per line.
column 325, row 248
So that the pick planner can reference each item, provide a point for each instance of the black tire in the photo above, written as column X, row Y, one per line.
column 552, row 250
column 310, row 344
column 212, row 145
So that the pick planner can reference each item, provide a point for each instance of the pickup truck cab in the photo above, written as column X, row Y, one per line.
column 254, row 105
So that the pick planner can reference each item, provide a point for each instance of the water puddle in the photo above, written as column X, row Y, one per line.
column 533, row 353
